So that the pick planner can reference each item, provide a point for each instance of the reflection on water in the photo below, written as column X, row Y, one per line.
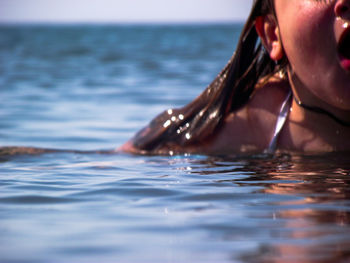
column 103, row 208
column 314, row 225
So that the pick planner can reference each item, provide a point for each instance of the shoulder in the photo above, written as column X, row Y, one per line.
column 250, row 128
column 268, row 97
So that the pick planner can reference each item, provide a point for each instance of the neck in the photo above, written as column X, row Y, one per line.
column 311, row 131
column 319, row 110
column 314, row 125
column 307, row 100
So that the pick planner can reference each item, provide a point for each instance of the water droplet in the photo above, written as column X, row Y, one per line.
column 181, row 117
column 213, row 115
column 188, row 136
column 167, row 124
column 170, row 111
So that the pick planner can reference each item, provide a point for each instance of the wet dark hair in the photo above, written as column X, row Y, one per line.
column 197, row 122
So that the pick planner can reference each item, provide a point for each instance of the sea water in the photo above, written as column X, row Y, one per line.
column 91, row 87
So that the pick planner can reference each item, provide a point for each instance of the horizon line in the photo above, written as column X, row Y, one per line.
column 141, row 22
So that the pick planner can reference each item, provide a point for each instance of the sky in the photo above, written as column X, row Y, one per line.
column 123, row 11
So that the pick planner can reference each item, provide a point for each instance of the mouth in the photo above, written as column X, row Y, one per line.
column 344, row 49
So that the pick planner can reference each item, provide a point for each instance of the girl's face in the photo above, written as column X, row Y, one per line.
column 315, row 35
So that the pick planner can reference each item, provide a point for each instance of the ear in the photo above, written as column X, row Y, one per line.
column 268, row 30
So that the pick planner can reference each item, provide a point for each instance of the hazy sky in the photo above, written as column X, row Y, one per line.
column 123, row 10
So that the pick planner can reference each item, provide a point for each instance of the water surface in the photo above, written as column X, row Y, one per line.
column 92, row 87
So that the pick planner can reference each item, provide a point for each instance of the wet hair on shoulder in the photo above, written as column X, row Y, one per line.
column 198, row 121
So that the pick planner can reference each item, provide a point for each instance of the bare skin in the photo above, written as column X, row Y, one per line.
column 250, row 129
column 308, row 33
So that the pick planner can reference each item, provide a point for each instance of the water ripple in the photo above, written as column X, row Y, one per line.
column 35, row 200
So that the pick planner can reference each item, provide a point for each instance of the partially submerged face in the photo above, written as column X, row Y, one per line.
column 315, row 37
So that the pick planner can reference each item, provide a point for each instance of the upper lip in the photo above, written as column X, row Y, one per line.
column 344, row 43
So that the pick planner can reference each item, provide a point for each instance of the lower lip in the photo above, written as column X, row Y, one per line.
column 345, row 63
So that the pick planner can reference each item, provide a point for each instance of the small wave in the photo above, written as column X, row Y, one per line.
column 35, row 200
column 75, row 51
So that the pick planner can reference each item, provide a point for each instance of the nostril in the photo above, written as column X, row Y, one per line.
column 342, row 9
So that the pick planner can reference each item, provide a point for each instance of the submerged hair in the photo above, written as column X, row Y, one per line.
column 198, row 121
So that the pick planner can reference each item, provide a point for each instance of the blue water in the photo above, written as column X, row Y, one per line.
column 91, row 88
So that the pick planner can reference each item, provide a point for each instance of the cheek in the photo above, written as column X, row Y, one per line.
column 307, row 37
column 308, row 41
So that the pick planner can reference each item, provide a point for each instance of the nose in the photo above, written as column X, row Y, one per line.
column 342, row 9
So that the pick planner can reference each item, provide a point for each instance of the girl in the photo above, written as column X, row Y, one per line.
column 286, row 88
